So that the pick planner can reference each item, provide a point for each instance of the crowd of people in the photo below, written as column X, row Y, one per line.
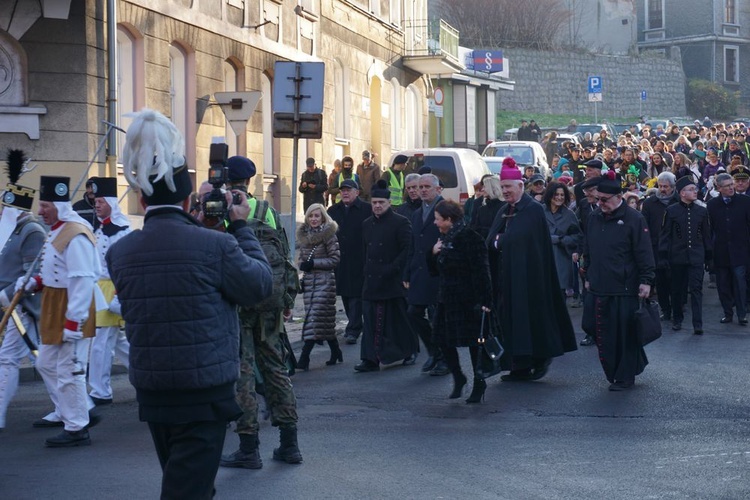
column 204, row 298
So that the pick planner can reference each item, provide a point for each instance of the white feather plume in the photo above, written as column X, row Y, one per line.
column 153, row 146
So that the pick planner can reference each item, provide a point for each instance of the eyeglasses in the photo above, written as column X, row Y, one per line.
column 602, row 199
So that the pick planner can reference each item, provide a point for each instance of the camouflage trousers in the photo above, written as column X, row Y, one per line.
column 261, row 347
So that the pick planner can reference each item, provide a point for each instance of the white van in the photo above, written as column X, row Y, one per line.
column 457, row 168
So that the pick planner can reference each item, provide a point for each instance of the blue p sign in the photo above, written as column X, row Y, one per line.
column 595, row 85
column 643, row 95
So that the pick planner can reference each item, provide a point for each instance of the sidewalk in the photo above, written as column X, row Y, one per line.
column 293, row 329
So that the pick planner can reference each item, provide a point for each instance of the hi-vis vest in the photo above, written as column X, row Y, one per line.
column 396, row 187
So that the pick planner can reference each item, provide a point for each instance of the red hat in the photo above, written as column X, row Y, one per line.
column 510, row 171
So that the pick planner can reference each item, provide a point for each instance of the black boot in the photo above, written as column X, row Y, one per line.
column 303, row 363
column 288, row 451
column 459, row 381
column 477, row 392
column 247, row 457
column 336, row 354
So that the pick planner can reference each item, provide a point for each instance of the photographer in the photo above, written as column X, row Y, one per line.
column 179, row 286
column 263, row 338
column 313, row 184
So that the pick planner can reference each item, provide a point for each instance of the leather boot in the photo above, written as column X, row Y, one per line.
column 247, row 457
column 336, row 354
column 477, row 392
column 288, row 451
column 303, row 363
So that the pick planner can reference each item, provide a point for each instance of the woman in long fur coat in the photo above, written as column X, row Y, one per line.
column 318, row 257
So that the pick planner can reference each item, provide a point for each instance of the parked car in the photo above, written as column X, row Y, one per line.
column 523, row 152
column 457, row 168
column 595, row 128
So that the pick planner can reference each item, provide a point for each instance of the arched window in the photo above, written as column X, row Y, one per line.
column 413, row 118
column 182, row 96
column 130, row 78
column 341, row 101
column 395, row 114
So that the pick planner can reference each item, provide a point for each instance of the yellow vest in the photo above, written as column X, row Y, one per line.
column 396, row 187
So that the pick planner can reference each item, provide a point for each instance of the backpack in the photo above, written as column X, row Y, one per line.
column 276, row 248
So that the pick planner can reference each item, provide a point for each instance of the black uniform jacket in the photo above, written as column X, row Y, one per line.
column 685, row 238
column 618, row 252
column 386, row 244
column 731, row 230
column 350, row 272
column 422, row 286
column 653, row 211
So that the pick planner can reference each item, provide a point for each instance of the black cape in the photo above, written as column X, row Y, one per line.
column 533, row 316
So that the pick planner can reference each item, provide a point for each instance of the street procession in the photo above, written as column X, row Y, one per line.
column 238, row 262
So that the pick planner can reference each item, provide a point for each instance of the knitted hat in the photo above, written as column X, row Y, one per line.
column 380, row 190
column 509, row 171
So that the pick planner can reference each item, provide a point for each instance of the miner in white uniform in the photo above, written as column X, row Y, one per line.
column 70, row 268
column 109, row 338
column 21, row 240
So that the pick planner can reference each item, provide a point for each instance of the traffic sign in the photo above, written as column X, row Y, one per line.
column 595, row 97
column 643, row 95
column 439, row 96
column 595, row 85
column 311, row 80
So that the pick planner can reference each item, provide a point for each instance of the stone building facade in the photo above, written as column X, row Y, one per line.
column 174, row 55
column 713, row 38
column 556, row 83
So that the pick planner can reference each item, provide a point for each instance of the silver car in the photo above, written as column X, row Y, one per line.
column 523, row 152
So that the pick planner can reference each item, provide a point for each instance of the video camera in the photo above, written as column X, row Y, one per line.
column 215, row 202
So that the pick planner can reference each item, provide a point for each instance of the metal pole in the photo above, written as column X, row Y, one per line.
column 112, row 70
column 596, row 114
column 295, row 154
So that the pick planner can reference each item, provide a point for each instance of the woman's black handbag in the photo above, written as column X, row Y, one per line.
column 647, row 322
column 489, row 353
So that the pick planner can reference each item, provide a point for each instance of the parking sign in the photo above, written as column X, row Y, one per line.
column 595, row 85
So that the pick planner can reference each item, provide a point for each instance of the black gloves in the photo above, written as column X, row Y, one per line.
column 306, row 265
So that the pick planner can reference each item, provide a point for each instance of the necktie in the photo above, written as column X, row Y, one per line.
column 727, row 200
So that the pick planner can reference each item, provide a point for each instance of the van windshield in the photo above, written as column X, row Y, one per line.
column 442, row 166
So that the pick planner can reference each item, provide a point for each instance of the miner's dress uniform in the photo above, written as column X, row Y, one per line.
column 109, row 336
column 685, row 242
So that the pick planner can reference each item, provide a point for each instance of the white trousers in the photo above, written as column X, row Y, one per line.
column 12, row 353
column 63, row 369
column 109, row 341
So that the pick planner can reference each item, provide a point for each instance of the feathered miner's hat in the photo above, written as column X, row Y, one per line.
column 15, row 195
column 154, row 159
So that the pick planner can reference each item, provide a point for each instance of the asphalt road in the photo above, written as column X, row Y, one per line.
column 681, row 432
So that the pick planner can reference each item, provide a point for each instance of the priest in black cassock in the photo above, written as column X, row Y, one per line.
column 619, row 270
column 535, row 325
column 387, row 336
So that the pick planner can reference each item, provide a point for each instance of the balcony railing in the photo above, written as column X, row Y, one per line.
column 431, row 38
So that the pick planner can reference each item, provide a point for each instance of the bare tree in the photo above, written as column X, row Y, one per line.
column 507, row 23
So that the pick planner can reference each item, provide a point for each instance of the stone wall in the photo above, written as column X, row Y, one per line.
column 557, row 83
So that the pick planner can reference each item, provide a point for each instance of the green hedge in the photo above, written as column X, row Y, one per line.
column 705, row 98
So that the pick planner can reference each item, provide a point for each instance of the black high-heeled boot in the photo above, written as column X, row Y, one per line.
column 477, row 392
column 336, row 354
column 303, row 363
column 459, row 381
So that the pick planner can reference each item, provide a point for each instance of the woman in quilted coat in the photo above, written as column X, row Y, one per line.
column 318, row 257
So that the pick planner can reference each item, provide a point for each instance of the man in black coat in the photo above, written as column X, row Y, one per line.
column 685, row 242
column 422, row 287
column 85, row 206
column 524, row 131
column 313, row 185
column 729, row 214
column 586, row 206
column 619, row 272
column 179, row 285
column 653, row 210
column 349, row 214
column 535, row 323
column 412, row 202
column 387, row 335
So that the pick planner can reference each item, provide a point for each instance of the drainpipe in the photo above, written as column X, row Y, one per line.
column 112, row 85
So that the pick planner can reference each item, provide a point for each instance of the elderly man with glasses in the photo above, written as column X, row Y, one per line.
column 729, row 215
column 619, row 272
